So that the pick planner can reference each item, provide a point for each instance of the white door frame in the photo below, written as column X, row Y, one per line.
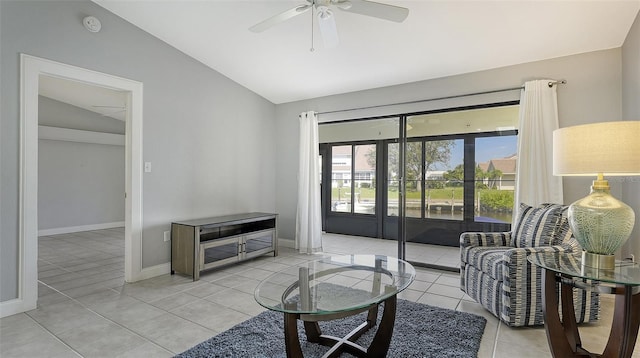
column 30, row 70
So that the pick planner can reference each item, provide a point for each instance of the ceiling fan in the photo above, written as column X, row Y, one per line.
column 326, row 18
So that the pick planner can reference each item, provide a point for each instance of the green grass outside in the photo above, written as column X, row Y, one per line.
column 368, row 194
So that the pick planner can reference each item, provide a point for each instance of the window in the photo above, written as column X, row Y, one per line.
column 495, row 178
column 353, row 184
column 393, row 180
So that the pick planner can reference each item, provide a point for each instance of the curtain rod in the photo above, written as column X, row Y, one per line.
column 550, row 84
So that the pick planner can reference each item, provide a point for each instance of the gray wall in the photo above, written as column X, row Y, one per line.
column 631, row 111
column 63, row 115
column 78, row 183
column 212, row 142
column 592, row 94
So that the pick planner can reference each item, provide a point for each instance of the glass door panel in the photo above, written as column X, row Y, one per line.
column 444, row 179
column 341, row 178
column 392, row 184
column 495, row 178
column 364, row 179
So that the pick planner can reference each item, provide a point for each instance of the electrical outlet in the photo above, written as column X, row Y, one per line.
column 167, row 236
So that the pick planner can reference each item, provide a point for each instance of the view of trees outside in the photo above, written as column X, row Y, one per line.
column 495, row 178
column 443, row 198
column 442, row 184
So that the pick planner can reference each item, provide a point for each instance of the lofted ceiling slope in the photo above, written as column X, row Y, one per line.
column 439, row 38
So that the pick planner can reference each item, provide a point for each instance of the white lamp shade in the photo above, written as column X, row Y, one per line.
column 610, row 148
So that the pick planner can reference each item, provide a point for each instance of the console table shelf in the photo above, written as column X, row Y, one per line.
column 202, row 244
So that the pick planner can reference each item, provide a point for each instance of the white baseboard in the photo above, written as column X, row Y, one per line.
column 153, row 271
column 286, row 243
column 15, row 306
column 70, row 229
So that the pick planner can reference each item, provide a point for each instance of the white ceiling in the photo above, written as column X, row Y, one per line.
column 104, row 101
column 439, row 38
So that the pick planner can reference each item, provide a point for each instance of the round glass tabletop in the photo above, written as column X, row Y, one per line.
column 624, row 273
column 335, row 284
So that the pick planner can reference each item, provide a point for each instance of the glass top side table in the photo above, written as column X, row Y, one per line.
column 566, row 270
column 336, row 287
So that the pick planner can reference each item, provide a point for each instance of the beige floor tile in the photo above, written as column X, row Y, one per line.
column 63, row 316
column 205, row 289
column 426, row 275
column 161, row 325
column 148, row 293
column 102, row 339
column 211, row 315
column 174, row 333
column 44, row 345
column 146, row 350
column 134, row 314
column 256, row 274
column 174, row 301
column 107, row 300
column 410, row 295
column 526, row 338
column 515, row 349
column 234, row 280
column 443, row 290
column 449, row 280
column 439, row 301
column 239, row 301
column 89, row 266
column 420, row 285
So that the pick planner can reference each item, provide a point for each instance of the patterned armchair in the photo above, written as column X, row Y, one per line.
column 495, row 272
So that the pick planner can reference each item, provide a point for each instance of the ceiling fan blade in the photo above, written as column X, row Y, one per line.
column 274, row 20
column 376, row 9
column 327, row 25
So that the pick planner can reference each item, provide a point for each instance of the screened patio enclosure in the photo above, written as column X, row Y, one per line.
column 420, row 178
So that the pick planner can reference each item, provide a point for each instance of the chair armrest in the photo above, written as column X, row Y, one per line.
column 485, row 239
column 518, row 256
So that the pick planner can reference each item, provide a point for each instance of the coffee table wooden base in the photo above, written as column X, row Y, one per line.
column 378, row 348
column 563, row 336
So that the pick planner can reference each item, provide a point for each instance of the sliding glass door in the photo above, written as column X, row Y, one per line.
column 354, row 194
column 422, row 178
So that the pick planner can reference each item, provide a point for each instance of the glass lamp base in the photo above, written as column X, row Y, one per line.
column 600, row 223
column 598, row 261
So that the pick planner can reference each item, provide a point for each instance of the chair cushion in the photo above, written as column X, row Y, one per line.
column 487, row 259
column 538, row 226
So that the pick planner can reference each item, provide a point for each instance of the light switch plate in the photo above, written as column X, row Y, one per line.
column 167, row 236
column 147, row 167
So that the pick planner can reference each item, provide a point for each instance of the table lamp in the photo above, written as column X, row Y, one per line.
column 600, row 222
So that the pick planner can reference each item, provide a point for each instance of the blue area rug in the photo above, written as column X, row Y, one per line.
column 420, row 331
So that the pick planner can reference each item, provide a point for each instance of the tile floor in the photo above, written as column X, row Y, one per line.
column 86, row 310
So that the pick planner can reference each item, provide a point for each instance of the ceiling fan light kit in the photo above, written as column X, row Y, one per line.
column 326, row 18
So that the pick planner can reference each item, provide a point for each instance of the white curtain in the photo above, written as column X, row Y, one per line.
column 308, row 217
column 535, row 182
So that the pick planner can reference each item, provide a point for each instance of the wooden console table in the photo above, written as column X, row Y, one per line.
column 567, row 271
column 198, row 245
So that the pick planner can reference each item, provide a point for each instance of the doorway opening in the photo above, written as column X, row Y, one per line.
column 81, row 185
column 32, row 68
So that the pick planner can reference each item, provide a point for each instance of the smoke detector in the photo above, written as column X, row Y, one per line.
column 92, row 24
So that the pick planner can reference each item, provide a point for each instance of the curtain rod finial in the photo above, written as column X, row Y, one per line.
column 557, row 82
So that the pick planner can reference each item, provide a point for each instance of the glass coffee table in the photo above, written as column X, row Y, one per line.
column 337, row 287
column 567, row 271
